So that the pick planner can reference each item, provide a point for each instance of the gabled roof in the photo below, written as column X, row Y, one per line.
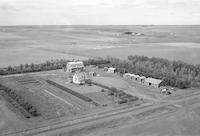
column 153, row 80
column 75, row 64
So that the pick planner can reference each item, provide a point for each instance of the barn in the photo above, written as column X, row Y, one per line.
column 75, row 66
column 153, row 82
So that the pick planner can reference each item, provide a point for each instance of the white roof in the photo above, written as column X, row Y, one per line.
column 142, row 77
column 127, row 74
column 132, row 75
column 136, row 76
column 111, row 68
column 76, row 64
column 153, row 80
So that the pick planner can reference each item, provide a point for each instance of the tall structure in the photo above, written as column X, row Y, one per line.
column 79, row 78
column 75, row 66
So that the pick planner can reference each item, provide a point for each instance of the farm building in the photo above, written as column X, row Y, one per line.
column 127, row 75
column 111, row 70
column 92, row 73
column 79, row 78
column 105, row 69
column 135, row 77
column 153, row 82
column 75, row 66
column 142, row 79
column 132, row 76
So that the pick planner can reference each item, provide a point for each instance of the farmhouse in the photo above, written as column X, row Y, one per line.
column 111, row 70
column 75, row 66
column 79, row 78
column 153, row 82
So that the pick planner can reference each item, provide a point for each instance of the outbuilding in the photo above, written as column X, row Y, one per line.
column 132, row 76
column 111, row 70
column 153, row 82
column 92, row 73
column 75, row 66
column 127, row 75
column 105, row 69
column 136, row 77
column 142, row 79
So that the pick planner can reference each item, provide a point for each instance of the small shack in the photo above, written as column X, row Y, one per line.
column 153, row 82
column 92, row 73
column 142, row 79
column 132, row 76
column 105, row 69
column 136, row 77
column 127, row 75
column 111, row 70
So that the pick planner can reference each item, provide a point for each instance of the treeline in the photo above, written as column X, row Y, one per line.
column 48, row 65
column 22, row 102
column 174, row 73
column 96, row 62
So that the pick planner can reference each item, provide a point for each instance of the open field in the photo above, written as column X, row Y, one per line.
column 35, row 44
column 62, row 112
column 52, row 102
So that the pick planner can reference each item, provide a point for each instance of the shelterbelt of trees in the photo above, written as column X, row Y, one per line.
column 174, row 73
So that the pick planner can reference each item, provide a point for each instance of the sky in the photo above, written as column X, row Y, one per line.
column 99, row 12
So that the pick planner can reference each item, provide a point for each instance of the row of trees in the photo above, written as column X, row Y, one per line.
column 21, row 101
column 174, row 73
column 48, row 65
column 96, row 62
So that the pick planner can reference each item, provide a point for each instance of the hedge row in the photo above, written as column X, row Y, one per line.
column 85, row 98
column 20, row 101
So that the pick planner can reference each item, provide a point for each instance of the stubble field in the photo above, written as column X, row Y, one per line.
column 35, row 44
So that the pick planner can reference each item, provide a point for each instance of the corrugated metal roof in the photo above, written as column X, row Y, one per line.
column 153, row 80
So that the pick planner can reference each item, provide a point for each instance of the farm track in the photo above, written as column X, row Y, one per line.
column 96, row 117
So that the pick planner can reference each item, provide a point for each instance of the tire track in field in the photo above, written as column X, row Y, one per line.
column 65, row 101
